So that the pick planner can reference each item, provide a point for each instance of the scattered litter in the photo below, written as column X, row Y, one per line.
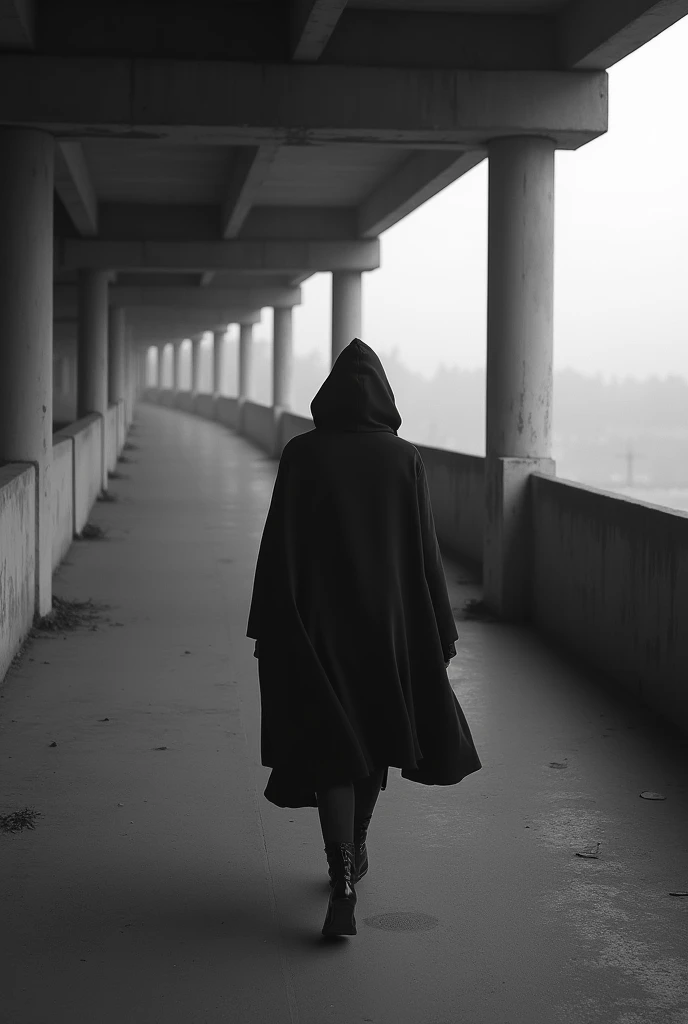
column 159, row 748
column 475, row 608
column 67, row 615
column 120, row 805
column 558, row 764
column 187, row 652
column 53, row 744
column 647, row 794
column 680, row 893
column 103, row 719
column 91, row 532
column 19, row 820
column 590, row 852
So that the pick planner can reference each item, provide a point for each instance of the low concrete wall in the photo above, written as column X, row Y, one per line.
column 227, row 411
column 17, row 558
column 86, row 434
column 258, row 425
column 204, row 405
column 611, row 585
column 457, row 493
column 167, row 397
column 62, row 497
column 183, row 400
column 292, row 425
column 111, row 439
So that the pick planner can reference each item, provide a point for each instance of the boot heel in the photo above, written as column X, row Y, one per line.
column 340, row 918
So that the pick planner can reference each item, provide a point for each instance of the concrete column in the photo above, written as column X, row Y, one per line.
column 218, row 361
column 195, row 363
column 116, row 354
column 26, row 325
column 176, row 347
column 519, row 360
column 346, row 309
column 281, row 357
column 245, row 361
column 92, row 390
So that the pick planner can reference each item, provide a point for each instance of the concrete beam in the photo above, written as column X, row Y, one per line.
column 251, row 104
column 250, row 167
column 596, row 35
column 422, row 176
column 16, row 24
column 65, row 298
column 274, row 257
column 312, row 24
column 74, row 187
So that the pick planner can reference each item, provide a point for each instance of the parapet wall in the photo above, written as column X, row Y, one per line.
column 62, row 496
column 611, row 586
column 17, row 557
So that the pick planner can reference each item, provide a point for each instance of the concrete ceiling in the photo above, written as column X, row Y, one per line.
column 193, row 136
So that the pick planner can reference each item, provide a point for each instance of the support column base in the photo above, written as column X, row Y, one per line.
column 507, row 547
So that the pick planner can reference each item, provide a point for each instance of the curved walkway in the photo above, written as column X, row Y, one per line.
column 159, row 886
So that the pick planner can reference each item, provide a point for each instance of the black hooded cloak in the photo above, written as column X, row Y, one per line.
column 350, row 606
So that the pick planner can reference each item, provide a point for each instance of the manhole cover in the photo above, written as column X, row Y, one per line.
column 402, row 922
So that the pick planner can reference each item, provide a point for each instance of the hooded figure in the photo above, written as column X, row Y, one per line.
column 350, row 606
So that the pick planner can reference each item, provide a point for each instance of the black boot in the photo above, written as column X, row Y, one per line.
column 340, row 918
column 360, row 850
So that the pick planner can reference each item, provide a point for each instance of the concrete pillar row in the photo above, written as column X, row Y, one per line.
column 346, row 309
column 26, row 325
column 218, row 362
column 519, row 360
column 244, row 371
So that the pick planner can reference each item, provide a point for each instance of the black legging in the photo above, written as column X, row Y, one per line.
column 340, row 805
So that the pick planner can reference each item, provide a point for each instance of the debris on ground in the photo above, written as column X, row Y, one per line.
column 53, row 744
column 115, row 475
column 681, row 892
column 19, row 820
column 476, row 608
column 123, row 458
column 159, row 748
column 591, row 852
column 92, row 531
column 67, row 615
column 647, row 794
column 558, row 764
column 107, row 496
column 129, row 447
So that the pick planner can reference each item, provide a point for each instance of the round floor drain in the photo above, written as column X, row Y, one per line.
column 402, row 922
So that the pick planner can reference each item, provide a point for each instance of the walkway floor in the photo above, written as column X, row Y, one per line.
column 160, row 886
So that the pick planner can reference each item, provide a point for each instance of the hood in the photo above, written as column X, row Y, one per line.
column 356, row 395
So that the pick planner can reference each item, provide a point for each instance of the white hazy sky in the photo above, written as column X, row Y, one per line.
column 621, row 246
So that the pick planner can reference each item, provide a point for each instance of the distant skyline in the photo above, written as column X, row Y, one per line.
column 621, row 265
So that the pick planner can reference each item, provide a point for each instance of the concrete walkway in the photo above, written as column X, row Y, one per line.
column 160, row 886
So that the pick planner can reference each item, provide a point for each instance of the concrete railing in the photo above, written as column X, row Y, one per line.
column 611, row 586
column 62, row 497
column 17, row 557
column 257, row 423
column 227, row 411
column 87, row 480
column 291, row 425
column 457, row 494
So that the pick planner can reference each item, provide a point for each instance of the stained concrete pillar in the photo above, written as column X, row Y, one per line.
column 519, row 360
column 195, row 363
column 26, row 324
column 346, row 309
column 218, row 362
column 116, row 354
column 245, row 364
column 92, row 388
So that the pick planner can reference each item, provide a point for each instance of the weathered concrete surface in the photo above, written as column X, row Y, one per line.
column 111, row 439
column 88, row 454
column 17, row 557
column 62, row 496
column 198, row 902
column 457, row 486
column 258, row 424
column 611, row 584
